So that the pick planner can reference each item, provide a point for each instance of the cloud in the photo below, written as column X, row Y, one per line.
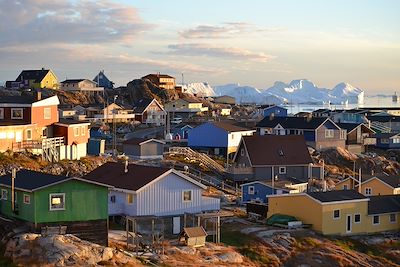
column 49, row 21
column 226, row 30
column 217, row 51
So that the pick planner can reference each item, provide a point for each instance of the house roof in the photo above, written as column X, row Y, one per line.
column 36, row 75
column 385, row 135
column 383, row 204
column 141, row 105
column 32, row 180
column 194, row 231
column 392, row 180
column 348, row 126
column 277, row 149
column 112, row 173
column 336, row 195
column 70, row 122
column 74, row 80
column 292, row 122
column 384, row 118
column 25, row 99
column 228, row 126
column 157, row 75
column 140, row 141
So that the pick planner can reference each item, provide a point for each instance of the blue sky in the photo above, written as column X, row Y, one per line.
column 248, row 42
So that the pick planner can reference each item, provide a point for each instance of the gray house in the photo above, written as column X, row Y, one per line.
column 140, row 148
column 263, row 157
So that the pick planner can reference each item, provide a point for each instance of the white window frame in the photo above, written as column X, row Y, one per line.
column 27, row 136
column 47, row 113
column 373, row 221
column 29, row 199
column 1, row 113
column 56, row 194
column 242, row 152
column 329, row 133
column 343, row 134
column 395, row 217
column 368, row 189
column 282, row 170
column 333, row 214
column 4, row 194
column 17, row 109
column 76, row 131
column 251, row 190
column 83, row 129
column 357, row 214
column 183, row 196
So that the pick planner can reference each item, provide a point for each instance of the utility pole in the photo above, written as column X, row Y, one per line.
column 13, row 175
column 114, row 130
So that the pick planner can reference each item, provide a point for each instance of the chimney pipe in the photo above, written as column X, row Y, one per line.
column 38, row 95
column 126, row 165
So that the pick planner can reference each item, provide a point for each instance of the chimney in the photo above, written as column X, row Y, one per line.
column 126, row 165
column 309, row 117
column 38, row 95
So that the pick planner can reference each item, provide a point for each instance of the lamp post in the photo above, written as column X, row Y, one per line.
column 323, row 175
column 114, row 129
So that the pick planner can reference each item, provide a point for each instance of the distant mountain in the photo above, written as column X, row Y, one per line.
column 297, row 91
column 199, row 89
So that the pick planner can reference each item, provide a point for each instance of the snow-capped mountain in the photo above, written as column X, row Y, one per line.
column 200, row 89
column 297, row 91
column 304, row 91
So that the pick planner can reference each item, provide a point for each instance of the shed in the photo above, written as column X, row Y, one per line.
column 193, row 236
column 141, row 148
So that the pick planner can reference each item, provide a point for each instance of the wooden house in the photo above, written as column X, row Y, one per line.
column 261, row 158
column 319, row 133
column 34, row 79
column 161, row 80
column 273, row 110
column 82, row 85
column 193, row 236
column 185, row 107
column 344, row 212
column 387, row 140
column 358, row 135
column 372, row 185
column 102, row 80
column 149, row 111
column 139, row 191
column 141, row 148
column 225, row 137
column 45, row 200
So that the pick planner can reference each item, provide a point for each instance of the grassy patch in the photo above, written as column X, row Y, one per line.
column 254, row 255
column 234, row 238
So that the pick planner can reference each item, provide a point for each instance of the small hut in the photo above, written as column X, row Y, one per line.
column 193, row 236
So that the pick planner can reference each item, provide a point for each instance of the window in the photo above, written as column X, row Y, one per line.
column 129, row 198
column 232, row 136
column 76, row 131
column 112, row 199
column 368, row 191
column 250, row 190
column 343, row 134
column 384, row 141
column 336, row 214
column 357, row 218
column 1, row 113
column 44, row 132
column 375, row 220
column 345, row 187
column 329, row 133
column 83, row 129
column 27, row 199
column 4, row 193
column 282, row 170
column 47, row 113
column 396, row 140
column 17, row 113
column 57, row 201
column 392, row 218
column 187, row 196
column 29, row 134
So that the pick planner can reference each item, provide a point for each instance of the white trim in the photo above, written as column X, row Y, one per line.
column 44, row 113
column 283, row 168
column 355, row 218
column 333, row 214
column 29, row 197
column 50, row 101
column 370, row 191
column 253, row 190
column 183, row 195
column 150, row 140
column 323, row 203
column 370, row 179
column 72, row 125
column 395, row 217
column 379, row 220
column 56, row 194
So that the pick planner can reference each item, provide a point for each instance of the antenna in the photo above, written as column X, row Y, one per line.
column 183, row 79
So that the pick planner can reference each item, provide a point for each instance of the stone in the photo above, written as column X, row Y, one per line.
column 107, row 254
column 231, row 257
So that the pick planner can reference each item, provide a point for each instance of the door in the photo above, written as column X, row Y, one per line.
column 348, row 223
column 176, row 225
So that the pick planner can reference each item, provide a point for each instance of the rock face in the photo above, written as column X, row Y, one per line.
column 62, row 250
column 138, row 89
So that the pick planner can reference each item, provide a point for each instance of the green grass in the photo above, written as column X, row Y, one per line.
column 234, row 238
column 252, row 254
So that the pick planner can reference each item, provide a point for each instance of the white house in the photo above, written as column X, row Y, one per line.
column 152, row 191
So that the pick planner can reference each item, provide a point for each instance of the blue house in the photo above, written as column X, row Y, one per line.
column 181, row 131
column 218, row 138
column 277, row 111
column 319, row 133
column 102, row 81
column 388, row 140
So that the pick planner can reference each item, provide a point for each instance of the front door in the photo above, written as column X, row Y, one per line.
column 176, row 225
column 348, row 223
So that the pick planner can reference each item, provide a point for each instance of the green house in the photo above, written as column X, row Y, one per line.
column 45, row 201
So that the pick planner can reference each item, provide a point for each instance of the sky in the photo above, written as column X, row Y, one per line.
column 253, row 42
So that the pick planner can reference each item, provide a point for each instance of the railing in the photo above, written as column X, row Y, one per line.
column 27, row 144
column 240, row 170
column 52, row 142
column 380, row 127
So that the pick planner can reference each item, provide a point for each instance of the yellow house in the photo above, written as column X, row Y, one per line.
column 185, row 105
column 372, row 185
column 341, row 212
column 37, row 79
